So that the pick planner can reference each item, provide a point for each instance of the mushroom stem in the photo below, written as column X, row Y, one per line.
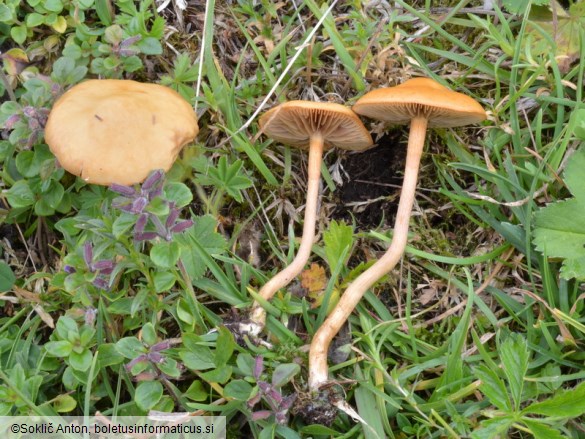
column 356, row 290
column 258, row 314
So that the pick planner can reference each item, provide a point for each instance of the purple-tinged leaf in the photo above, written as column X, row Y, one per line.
column 264, row 386
column 29, row 111
column 254, row 400
column 124, row 207
column 127, row 191
column 157, row 192
column 261, row 414
column 145, row 236
column 89, row 316
column 104, row 266
column 88, row 254
column 173, row 215
column 181, row 226
column 11, row 121
column 281, row 417
column 69, row 269
column 101, row 283
column 138, row 205
column 274, row 395
column 141, row 358
column 141, row 223
column 154, row 178
column 160, row 229
column 288, row 401
column 258, row 367
column 131, row 40
column 156, row 357
column 160, row 346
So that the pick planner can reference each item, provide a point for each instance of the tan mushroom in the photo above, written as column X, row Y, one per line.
column 118, row 131
column 422, row 102
column 316, row 126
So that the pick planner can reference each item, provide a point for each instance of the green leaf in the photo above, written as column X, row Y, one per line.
column 105, row 11
column 514, row 354
column 64, row 403
column 542, row 431
column 108, row 355
column 80, row 361
column 7, row 277
column 58, row 348
column 225, row 345
column 493, row 387
column 53, row 5
column 284, row 373
column 54, row 194
column 20, row 194
column 26, row 164
column 567, row 404
column 114, row 34
column 493, row 428
column 204, row 232
column 123, row 224
column 246, row 364
column 198, row 358
column 163, row 280
column 557, row 33
column 34, row 19
column 579, row 116
column 197, row 391
column 150, row 46
column 148, row 394
column 179, row 193
column 67, row 328
column 184, row 312
column 130, row 347
column 560, row 227
column 165, row 254
column 337, row 238
column 170, row 367
column 149, row 334
column 18, row 33
column 5, row 14
column 238, row 389
column 219, row 375
column 226, row 177
column 519, row 6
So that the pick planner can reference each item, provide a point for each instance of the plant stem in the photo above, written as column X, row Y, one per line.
column 356, row 290
column 282, row 279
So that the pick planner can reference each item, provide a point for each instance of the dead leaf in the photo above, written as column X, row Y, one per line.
column 314, row 279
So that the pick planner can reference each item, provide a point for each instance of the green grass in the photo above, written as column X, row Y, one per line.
column 475, row 334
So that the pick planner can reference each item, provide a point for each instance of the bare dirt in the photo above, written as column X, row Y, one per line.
column 372, row 186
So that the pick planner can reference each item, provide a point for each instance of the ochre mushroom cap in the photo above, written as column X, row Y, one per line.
column 420, row 97
column 294, row 122
column 117, row 131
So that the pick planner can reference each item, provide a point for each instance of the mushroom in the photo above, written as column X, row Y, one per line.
column 316, row 126
column 118, row 131
column 422, row 102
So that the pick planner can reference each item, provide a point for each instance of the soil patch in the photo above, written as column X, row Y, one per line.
column 370, row 194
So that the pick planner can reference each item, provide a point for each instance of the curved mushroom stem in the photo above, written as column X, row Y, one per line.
column 258, row 314
column 355, row 291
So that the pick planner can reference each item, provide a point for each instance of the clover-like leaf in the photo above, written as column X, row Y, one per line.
column 560, row 226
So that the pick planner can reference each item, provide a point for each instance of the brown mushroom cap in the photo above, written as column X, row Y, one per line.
column 420, row 97
column 118, row 131
column 294, row 122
